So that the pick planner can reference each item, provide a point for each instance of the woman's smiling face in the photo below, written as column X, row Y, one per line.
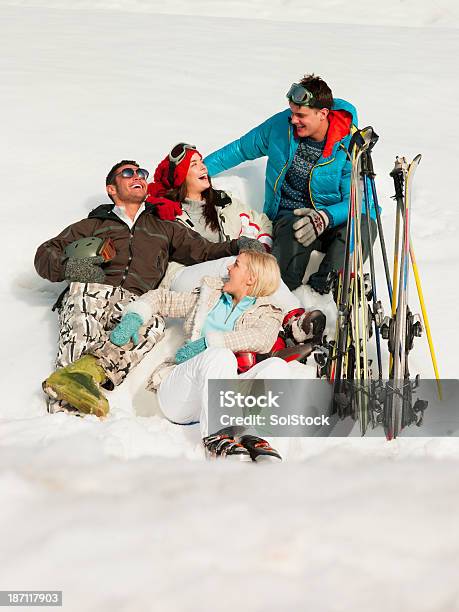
column 240, row 279
column 197, row 179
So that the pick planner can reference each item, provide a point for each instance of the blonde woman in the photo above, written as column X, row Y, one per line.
column 223, row 318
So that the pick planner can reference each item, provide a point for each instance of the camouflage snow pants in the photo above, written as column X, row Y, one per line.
column 87, row 315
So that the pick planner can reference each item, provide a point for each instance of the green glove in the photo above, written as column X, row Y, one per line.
column 190, row 349
column 127, row 329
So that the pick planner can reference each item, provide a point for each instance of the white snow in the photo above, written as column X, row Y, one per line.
column 125, row 514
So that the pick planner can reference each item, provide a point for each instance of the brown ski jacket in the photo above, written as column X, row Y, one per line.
column 142, row 253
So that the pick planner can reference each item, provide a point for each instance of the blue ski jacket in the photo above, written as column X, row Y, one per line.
column 329, row 181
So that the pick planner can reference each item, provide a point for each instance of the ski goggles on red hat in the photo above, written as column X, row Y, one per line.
column 300, row 95
column 178, row 153
column 130, row 172
column 176, row 156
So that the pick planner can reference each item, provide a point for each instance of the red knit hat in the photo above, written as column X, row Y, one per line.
column 161, row 182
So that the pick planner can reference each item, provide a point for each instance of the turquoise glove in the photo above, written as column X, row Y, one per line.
column 126, row 329
column 190, row 349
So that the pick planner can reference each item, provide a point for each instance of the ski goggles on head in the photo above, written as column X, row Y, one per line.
column 300, row 95
column 179, row 151
column 130, row 172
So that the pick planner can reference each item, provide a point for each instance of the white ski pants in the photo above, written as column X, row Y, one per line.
column 183, row 395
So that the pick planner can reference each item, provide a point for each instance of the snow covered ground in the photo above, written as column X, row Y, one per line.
column 112, row 512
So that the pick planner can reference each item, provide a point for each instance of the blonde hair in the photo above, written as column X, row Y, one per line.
column 265, row 269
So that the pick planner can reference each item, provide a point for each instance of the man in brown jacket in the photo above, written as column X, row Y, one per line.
column 99, row 289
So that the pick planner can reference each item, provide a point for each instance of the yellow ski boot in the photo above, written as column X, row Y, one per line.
column 78, row 384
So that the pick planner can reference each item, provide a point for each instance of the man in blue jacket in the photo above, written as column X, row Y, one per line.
column 307, row 178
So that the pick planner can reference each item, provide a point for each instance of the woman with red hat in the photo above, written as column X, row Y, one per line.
column 182, row 191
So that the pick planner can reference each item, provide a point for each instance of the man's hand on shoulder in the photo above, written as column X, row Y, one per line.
column 250, row 244
column 167, row 210
column 85, row 269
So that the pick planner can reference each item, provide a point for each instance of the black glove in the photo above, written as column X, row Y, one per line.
column 85, row 269
column 323, row 281
column 250, row 244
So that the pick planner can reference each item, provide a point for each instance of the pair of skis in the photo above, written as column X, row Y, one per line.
column 402, row 327
column 350, row 367
column 360, row 314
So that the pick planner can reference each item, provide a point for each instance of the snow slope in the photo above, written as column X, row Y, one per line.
column 112, row 513
column 408, row 13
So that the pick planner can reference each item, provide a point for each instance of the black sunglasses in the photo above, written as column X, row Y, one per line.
column 130, row 172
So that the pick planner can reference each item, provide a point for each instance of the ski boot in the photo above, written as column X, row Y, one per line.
column 78, row 384
column 53, row 406
column 224, row 445
column 259, row 449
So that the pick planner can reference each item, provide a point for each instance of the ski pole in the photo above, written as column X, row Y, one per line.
column 370, row 172
column 365, row 168
column 426, row 320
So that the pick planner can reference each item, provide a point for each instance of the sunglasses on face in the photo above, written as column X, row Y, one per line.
column 130, row 172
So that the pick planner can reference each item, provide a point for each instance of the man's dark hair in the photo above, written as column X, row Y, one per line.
column 111, row 175
column 110, row 180
column 323, row 97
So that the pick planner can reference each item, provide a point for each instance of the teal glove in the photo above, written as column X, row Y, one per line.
column 126, row 329
column 190, row 349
